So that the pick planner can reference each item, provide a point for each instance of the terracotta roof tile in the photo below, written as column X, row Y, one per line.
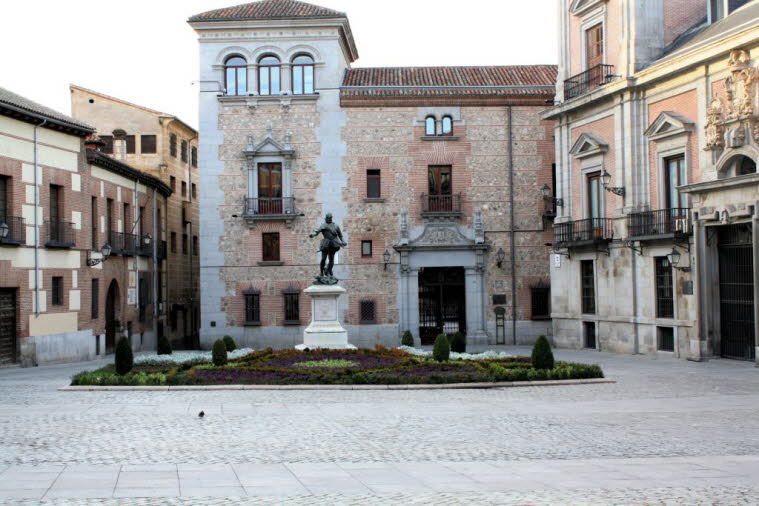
column 268, row 9
column 408, row 82
column 20, row 103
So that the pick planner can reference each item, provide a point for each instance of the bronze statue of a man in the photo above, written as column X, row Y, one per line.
column 331, row 243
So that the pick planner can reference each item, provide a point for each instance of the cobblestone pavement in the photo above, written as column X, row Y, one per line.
column 668, row 431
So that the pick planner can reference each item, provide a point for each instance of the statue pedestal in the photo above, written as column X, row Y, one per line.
column 325, row 330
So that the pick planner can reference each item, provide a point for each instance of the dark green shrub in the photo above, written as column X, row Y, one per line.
column 124, row 359
column 164, row 346
column 229, row 343
column 458, row 343
column 219, row 353
column 542, row 356
column 441, row 351
column 407, row 339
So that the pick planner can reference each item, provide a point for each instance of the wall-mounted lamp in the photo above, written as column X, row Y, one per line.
column 147, row 239
column 499, row 257
column 606, row 179
column 105, row 250
column 386, row 258
column 4, row 229
column 546, row 191
column 674, row 261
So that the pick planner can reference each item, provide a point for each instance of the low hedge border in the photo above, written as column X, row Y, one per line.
column 441, row 386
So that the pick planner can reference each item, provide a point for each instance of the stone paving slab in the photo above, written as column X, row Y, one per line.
column 667, row 431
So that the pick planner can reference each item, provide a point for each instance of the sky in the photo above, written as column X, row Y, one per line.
column 143, row 51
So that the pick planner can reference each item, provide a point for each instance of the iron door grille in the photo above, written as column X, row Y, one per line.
column 252, row 307
column 7, row 326
column 292, row 306
column 368, row 313
column 588, row 287
column 665, row 304
column 736, row 292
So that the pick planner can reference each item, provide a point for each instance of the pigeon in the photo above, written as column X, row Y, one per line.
column 202, row 414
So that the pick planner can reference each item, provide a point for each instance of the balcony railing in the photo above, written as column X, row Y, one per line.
column 16, row 230
column 266, row 206
column 588, row 81
column 588, row 231
column 441, row 204
column 122, row 244
column 664, row 222
column 145, row 250
column 59, row 234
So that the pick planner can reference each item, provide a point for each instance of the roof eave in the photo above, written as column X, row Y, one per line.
column 22, row 114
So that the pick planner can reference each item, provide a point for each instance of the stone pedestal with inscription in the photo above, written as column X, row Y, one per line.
column 325, row 330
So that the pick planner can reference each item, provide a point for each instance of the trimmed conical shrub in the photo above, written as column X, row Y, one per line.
column 407, row 339
column 542, row 356
column 458, row 343
column 124, row 359
column 441, row 351
column 164, row 346
column 229, row 343
column 219, row 353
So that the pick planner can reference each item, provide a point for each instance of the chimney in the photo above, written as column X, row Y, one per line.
column 93, row 142
column 119, row 145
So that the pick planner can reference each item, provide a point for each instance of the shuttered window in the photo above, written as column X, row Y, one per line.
column 373, row 189
column 148, row 144
column 588, row 287
column 252, row 307
column 270, row 246
column 594, row 46
column 130, row 144
column 292, row 306
column 173, row 145
column 57, row 291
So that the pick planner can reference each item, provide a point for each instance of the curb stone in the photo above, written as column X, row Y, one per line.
column 448, row 386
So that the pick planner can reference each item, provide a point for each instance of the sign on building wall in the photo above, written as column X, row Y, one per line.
column 557, row 261
column 132, row 296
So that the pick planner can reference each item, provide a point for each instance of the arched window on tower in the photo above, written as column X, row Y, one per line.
column 303, row 75
column 269, row 73
column 236, row 75
column 447, row 125
column 429, row 125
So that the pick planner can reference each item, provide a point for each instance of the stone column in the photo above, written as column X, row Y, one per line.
column 285, row 79
column 755, row 229
column 252, row 179
column 287, row 175
column 473, row 289
column 698, row 270
column 409, row 303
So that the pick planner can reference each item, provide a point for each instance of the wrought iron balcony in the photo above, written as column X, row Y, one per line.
column 59, row 234
column 269, row 207
column 122, row 244
column 587, row 81
column 145, row 250
column 441, row 205
column 659, row 224
column 582, row 232
column 16, row 230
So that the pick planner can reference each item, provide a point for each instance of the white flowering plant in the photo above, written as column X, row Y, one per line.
column 191, row 357
column 485, row 355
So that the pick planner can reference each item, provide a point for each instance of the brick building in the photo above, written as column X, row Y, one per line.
column 434, row 175
column 657, row 140
column 165, row 147
column 63, row 206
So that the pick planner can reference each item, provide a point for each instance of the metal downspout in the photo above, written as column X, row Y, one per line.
column 190, row 241
column 156, row 238
column 36, row 226
column 512, row 233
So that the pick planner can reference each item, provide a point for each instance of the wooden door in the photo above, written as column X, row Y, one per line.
column 594, row 46
column 270, row 188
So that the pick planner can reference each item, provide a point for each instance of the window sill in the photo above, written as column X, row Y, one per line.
column 540, row 318
column 378, row 200
column 440, row 137
column 251, row 324
column 291, row 323
column 271, row 263
column 367, row 323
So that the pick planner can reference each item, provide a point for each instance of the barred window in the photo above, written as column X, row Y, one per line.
column 366, row 248
column 95, row 299
column 540, row 296
column 292, row 306
column 588, row 287
column 252, row 307
column 367, row 311
column 184, row 151
column 194, row 156
column 57, row 287
column 173, row 145
column 665, row 304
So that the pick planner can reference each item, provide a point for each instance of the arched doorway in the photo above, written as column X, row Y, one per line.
column 112, row 305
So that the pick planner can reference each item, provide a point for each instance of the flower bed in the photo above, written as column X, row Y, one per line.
column 381, row 366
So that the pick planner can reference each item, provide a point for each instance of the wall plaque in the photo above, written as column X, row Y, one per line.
column 325, row 310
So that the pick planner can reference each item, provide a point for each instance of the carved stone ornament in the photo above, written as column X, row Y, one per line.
column 755, row 132
column 740, row 86
column 714, row 130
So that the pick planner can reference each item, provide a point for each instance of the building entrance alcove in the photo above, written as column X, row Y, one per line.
column 442, row 302
column 7, row 326
column 736, row 292
column 112, row 305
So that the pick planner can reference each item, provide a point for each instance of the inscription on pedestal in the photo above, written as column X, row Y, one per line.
column 324, row 310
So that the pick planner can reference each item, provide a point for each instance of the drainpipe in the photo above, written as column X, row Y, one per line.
column 36, row 226
column 189, row 239
column 156, row 238
column 512, row 233
column 137, row 242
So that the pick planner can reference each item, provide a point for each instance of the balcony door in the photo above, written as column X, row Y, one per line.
column 270, row 188
column 674, row 176
column 595, row 204
column 56, row 228
column 440, row 188
column 594, row 46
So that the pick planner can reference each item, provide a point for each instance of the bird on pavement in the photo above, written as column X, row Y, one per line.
column 201, row 414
